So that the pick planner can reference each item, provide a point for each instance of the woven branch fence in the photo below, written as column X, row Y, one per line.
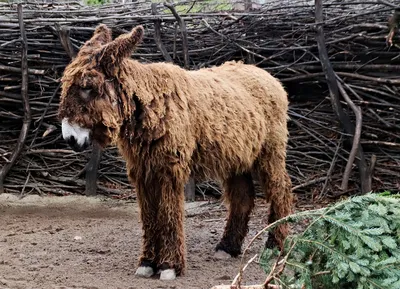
column 342, row 77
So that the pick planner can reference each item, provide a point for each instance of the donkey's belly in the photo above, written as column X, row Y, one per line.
column 220, row 159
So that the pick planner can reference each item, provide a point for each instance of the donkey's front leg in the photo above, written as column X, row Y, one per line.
column 148, row 199
column 170, row 220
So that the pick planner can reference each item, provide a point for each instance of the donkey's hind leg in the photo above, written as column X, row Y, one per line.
column 239, row 194
column 276, row 184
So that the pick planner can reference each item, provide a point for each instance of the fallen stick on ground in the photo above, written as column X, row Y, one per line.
column 269, row 286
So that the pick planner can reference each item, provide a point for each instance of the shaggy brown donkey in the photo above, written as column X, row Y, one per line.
column 226, row 122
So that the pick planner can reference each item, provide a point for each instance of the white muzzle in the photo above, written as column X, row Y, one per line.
column 78, row 138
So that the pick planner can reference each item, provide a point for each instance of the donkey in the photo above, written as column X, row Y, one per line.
column 227, row 123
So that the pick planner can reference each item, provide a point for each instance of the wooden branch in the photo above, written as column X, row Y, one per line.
column 10, row 42
column 157, row 34
column 356, row 139
column 236, row 287
column 310, row 182
column 19, row 70
column 393, row 23
column 182, row 26
column 238, row 278
column 25, row 99
column 387, row 3
column 269, row 286
column 382, row 143
column 371, row 170
column 63, row 34
column 334, row 93
column 240, row 46
column 377, row 80
column 43, row 115
column 329, row 173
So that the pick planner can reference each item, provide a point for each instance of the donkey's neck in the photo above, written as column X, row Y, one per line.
column 153, row 91
column 150, row 81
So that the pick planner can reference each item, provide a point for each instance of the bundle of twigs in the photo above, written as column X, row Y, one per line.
column 281, row 40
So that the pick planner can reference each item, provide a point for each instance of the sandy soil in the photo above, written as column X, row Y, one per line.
column 79, row 242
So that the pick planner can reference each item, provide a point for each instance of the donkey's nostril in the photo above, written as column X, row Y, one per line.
column 71, row 141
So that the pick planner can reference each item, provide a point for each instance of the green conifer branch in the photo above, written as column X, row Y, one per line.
column 355, row 243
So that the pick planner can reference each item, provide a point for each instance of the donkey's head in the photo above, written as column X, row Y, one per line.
column 93, row 104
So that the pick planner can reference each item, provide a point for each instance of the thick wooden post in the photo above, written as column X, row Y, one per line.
column 91, row 170
column 190, row 190
column 334, row 93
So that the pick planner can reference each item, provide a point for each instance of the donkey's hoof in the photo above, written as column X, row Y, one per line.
column 222, row 255
column 144, row 271
column 168, row 274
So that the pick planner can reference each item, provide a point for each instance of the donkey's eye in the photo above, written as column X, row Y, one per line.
column 86, row 93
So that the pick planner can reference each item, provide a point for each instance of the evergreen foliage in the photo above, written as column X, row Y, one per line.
column 353, row 244
column 96, row 2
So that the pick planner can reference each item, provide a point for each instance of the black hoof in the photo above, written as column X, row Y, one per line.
column 231, row 250
column 271, row 242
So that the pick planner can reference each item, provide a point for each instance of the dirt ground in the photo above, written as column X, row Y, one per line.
column 80, row 242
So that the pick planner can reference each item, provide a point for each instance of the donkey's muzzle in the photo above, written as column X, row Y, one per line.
column 77, row 137
column 73, row 143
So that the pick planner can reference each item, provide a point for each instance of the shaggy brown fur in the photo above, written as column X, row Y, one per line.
column 227, row 123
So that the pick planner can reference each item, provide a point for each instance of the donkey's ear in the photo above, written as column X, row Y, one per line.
column 122, row 46
column 101, row 36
